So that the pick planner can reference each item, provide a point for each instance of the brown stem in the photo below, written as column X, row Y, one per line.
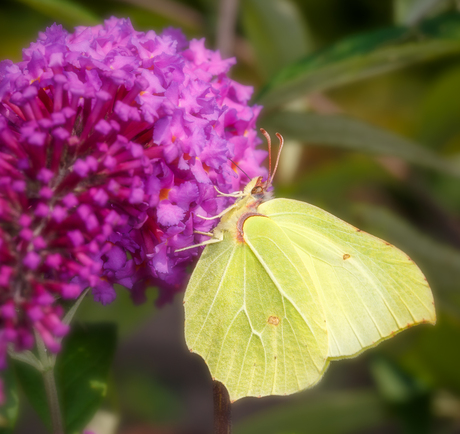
column 222, row 409
column 226, row 23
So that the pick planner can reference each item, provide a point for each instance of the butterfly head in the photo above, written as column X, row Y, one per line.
column 257, row 188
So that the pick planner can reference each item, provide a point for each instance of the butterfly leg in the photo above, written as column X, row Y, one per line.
column 218, row 239
column 234, row 194
column 225, row 211
column 208, row 234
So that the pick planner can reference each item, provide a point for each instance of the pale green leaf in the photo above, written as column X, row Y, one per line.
column 276, row 32
column 410, row 12
column 363, row 56
column 344, row 132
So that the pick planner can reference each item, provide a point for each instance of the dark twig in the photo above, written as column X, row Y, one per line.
column 222, row 409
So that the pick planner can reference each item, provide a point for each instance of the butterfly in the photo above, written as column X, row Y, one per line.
column 283, row 287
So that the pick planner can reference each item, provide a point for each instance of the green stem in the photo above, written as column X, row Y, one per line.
column 53, row 401
column 222, row 409
column 50, row 387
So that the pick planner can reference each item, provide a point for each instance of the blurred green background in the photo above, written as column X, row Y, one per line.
column 367, row 95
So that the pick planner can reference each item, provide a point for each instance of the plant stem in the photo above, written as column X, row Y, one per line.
column 226, row 23
column 50, row 386
column 222, row 409
column 53, row 401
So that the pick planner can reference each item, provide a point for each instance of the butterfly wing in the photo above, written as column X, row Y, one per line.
column 369, row 289
column 243, row 317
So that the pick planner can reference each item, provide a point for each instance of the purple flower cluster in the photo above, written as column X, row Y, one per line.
column 111, row 143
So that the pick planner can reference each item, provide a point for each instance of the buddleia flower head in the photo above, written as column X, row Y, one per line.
column 111, row 144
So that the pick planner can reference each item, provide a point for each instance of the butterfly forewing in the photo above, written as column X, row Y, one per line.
column 369, row 289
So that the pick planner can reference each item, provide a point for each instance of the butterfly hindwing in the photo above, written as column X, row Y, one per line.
column 369, row 289
column 298, row 328
column 254, row 333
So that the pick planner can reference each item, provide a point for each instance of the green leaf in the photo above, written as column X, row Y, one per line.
column 81, row 373
column 332, row 413
column 64, row 11
column 363, row 56
column 31, row 382
column 9, row 411
column 423, row 358
column 164, row 11
column 411, row 12
column 407, row 396
column 343, row 132
column 437, row 125
column 395, row 385
column 276, row 32
column 324, row 185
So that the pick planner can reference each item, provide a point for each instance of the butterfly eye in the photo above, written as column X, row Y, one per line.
column 257, row 190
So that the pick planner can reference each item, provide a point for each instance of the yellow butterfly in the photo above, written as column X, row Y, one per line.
column 283, row 288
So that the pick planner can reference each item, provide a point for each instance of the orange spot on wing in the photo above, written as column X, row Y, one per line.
column 273, row 320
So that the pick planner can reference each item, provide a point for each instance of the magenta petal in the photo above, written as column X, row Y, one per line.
column 103, row 292
column 169, row 214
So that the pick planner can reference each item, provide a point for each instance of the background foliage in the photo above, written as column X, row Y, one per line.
column 367, row 95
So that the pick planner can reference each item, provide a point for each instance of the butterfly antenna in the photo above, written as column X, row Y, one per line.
column 269, row 142
column 281, row 139
column 247, row 176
